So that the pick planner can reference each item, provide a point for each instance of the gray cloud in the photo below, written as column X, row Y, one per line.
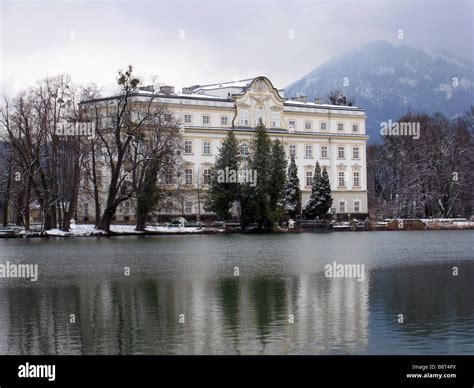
column 222, row 40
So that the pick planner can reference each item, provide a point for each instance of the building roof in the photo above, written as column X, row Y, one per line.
column 244, row 83
column 311, row 104
column 224, row 92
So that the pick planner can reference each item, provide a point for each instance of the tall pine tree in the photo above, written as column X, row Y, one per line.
column 326, row 201
column 222, row 194
column 320, row 200
column 312, row 209
column 256, row 199
column 277, row 185
column 293, row 191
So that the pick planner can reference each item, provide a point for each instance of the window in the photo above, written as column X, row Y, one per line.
column 308, row 151
column 188, row 207
column 168, row 209
column 275, row 119
column 259, row 116
column 356, row 206
column 188, row 147
column 168, row 117
column 356, row 179
column 340, row 126
column 224, row 120
column 324, row 126
column 355, row 127
column 244, row 149
column 308, row 125
column 324, row 151
column 98, row 176
column 292, row 124
column 168, row 178
column 355, row 153
column 206, row 119
column 309, row 178
column 293, row 150
column 188, row 176
column 126, row 208
column 244, row 117
column 340, row 152
column 107, row 121
column 188, row 119
column 86, row 209
column 342, row 207
column 342, row 179
column 206, row 147
column 206, row 176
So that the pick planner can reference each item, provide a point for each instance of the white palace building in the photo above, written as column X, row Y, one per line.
column 312, row 131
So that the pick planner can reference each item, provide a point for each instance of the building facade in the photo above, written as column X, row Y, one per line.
column 312, row 132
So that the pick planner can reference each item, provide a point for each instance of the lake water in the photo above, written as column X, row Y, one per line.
column 192, row 278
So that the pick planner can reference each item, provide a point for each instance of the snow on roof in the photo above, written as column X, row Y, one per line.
column 179, row 95
column 202, row 92
column 313, row 104
column 204, row 96
column 288, row 102
column 232, row 84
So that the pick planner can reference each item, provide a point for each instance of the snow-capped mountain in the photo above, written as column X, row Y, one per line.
column 388, row 81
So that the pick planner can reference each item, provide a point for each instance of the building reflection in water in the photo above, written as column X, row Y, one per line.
column 409, row 273
column 224, row 315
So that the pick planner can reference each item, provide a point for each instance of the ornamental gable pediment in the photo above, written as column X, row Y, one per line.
column 261, row 99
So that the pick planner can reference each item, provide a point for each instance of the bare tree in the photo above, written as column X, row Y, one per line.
column 429, row 176
column 153, row 156
column 47, row 162
column 135, row 139
column 89, row 112
column 338, row 97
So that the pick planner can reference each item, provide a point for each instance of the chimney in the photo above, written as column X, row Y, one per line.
column 167, row 89
column 300, row 99
column 148, row 88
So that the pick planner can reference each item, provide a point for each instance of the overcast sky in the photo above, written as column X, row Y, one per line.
column 199, row 42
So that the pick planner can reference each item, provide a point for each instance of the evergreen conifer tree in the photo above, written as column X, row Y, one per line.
column 312, row 209
column 277, row 185
column 256, row 199
column 223, row 191
column 293, row 191
column 320, row 200
column 327, row 200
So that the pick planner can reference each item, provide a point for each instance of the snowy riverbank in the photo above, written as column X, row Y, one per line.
column 87, row 230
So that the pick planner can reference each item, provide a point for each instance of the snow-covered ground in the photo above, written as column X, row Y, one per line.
column 343, row 224
column 79, row 230
column 89, row 230
column 448, row 220
column 448, row 223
